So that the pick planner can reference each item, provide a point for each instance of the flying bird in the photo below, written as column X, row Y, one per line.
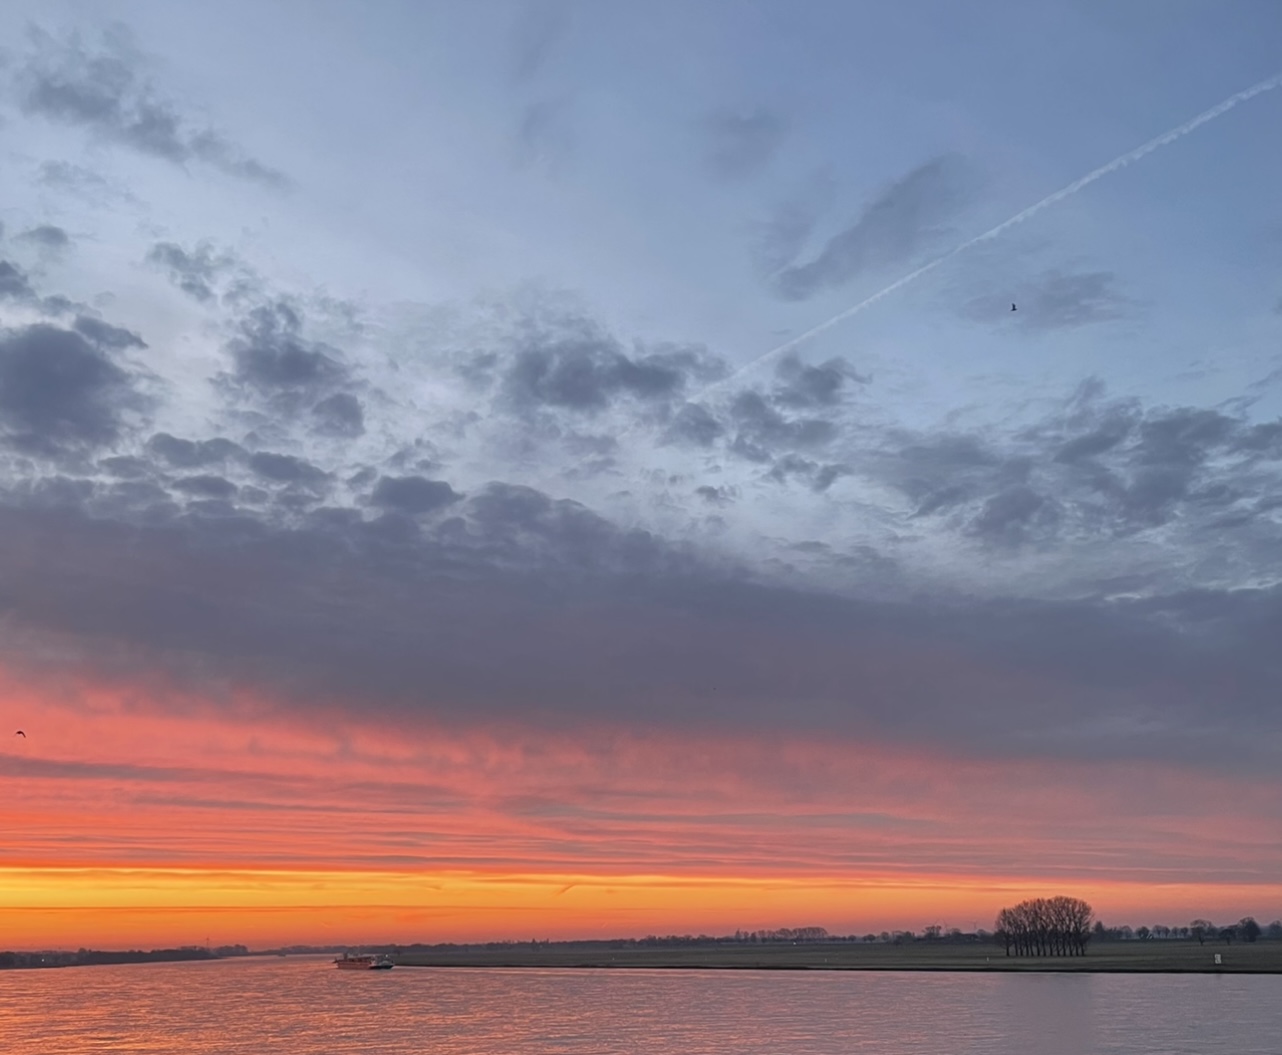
column 1012, row 307
column 21, row 734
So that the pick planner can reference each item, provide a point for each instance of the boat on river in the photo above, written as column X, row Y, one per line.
column 363, row 962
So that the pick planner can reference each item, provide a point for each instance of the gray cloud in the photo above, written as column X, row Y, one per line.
column 938, row 472
column 535, row 609
column 779, row 237
column 126, row 465
column 286, row 469
column 275, row 361
column 780, row 428
column 694, row 424
column 59, row 392
column 62, row 175
column 190, row 454
column 505, row 601
column 717, row 496
column 739, row 143
column 83, row 183
column 1102, row 469
column 14, row 284
column 103, row 89
column 205, row 486
column 105, row 335
column 762, row 429
column 893, row 228
column 818, row 476
column 413, row 494
column 340, row 415
column 539, row 28
column 544, row 134
column 804, row 387
column 571, row 363
column 47, row 236
column 197, row 273
column 1055, row 300
column 1011, row 517
column 510, row 603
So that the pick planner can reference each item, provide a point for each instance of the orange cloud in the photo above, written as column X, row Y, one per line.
column 153, row 813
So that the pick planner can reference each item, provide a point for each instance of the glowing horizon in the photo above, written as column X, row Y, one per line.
column 163, row 819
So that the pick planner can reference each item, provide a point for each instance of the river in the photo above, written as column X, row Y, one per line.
column 303, row 1006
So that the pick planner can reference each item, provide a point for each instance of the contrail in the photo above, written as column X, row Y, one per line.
column 1053, row 199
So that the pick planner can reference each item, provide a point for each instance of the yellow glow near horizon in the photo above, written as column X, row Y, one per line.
column 97, row 906
column 134, row 819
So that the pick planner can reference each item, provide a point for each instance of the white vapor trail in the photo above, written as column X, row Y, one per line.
column 1053, row 199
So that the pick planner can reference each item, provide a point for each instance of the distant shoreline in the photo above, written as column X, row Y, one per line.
column 1127, row 957
column 1154, row 957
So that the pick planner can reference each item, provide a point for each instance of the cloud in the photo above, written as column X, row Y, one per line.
column 14, row 284
column 569, row 362
column 762, row 429
column 538, row 30
column 104, row 90
column 902, row 221
column 740, row 143
column 1055, row 300
column 274, row 360
column 717, row 496
column 800, row 386
column 48, row 237
column 413, row 494
column 192, row 454
column 198, row 272
column 423, row 572
column 526, row 608
column 105, row 335
column 206, row 486
column 84, row 183
column 286, row 469
column 696, row 425
column 817, row 475
column 1011, row 517
column 1100, row 469
column 778, row 238
column 340, row 415
column 58, row 391
column 781, row 428
column 544, row 134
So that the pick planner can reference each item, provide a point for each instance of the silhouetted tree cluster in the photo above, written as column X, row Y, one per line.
column 87, row 957
column 1058, row 926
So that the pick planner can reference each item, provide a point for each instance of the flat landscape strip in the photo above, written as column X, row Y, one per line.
column 1152, row 957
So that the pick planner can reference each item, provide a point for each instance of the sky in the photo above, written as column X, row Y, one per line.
column 429, row 516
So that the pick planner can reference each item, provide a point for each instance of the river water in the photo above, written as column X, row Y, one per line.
column 303, row 1006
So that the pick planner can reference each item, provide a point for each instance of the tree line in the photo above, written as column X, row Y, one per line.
column 1057, row 926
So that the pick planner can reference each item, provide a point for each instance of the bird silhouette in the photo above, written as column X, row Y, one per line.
column 21, row 734
column 1012, row 307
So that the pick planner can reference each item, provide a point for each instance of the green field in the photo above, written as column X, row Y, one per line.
column 1134, row 956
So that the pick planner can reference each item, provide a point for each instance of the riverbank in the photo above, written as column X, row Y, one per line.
column 1156, row 957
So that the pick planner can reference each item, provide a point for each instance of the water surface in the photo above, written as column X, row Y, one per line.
column 303, row 1006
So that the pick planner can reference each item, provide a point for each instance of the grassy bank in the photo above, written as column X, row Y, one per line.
column 1137, row 956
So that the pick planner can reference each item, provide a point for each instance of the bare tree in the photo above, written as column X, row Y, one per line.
column 1058, row 926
